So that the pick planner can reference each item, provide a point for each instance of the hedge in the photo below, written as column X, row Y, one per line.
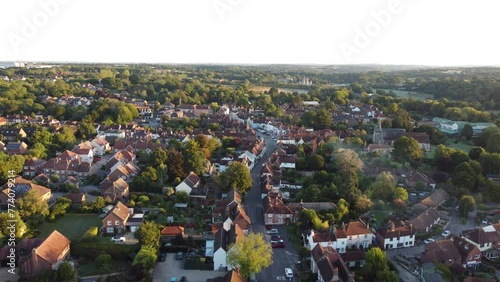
column 90, row 248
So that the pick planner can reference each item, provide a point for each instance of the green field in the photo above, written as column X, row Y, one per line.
column 72, row 225
column 410, row 94
column 89, row 269
column 460, row 145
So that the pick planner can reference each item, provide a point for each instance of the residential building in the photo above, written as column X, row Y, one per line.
column 426, row 220
column 335, row 237
column 442, row 251
column 101, row 146
column 189, row 183
column 275, row 211
column 329, row 266
column 172, row 231
column 77, row 199
column 33, row 167
column 484, row 238
column 434, row 200
column 231, row 276
column 224, row 238
column 114, row 190
column 358, row 234
column 401, row 236
column 20, row 187
column 471, row 255
column 16, row 148
column 13, row 134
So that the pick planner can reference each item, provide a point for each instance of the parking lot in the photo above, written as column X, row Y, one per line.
column 175, row 268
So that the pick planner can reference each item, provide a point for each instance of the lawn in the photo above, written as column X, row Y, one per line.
column 90, row 269
column 459, row 144
column 72, row 225
column 410, row 94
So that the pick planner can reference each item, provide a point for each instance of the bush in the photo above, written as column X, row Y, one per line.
column 103, row 263
column 91, row 232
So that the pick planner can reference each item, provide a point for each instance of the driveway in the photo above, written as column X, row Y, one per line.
column 175, row 268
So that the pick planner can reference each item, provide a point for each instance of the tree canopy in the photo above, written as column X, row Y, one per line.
column 251, row 254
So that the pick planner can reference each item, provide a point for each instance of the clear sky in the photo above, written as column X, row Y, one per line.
column 420, row 32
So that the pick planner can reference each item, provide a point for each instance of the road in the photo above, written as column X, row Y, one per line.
column 282, row 258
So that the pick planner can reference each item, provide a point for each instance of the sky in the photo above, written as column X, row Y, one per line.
column 398, row 32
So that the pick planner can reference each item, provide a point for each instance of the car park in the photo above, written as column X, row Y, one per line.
column 429, row 240
column 288, row 273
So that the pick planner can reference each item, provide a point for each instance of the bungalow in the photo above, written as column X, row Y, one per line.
column 16, row 148
column 20, row 186
column 327, row 263
column 426, row 220
column 190, row 182
column 434, row 200
column 416, row 178
column 402, row 236
column 224, row 238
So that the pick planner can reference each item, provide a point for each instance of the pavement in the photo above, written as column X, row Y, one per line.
column 171, row 267
column 282, row 257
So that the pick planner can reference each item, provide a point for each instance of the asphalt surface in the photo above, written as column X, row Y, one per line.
column 282, row 257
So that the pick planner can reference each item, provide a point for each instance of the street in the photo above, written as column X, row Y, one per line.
column 282, row 257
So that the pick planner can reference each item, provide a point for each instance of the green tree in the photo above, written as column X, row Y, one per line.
column 30, row 204
column 376, row 267
column 406, row 149
column 466, row 205
column 21, row 228
column 467, row 132
column 475, row 153
column 401, row 194
column 493, row 143
column 250, row 254
column 86, row 130
column 464, row 176
column 347, row 159
column 384, row 187
column 402, row 119
column 104, row 262
column 363, row 204
column 99, row 203
column 181, row 197
column 91, row 232
column 237, row 176
column 195, row 159
column 66, row 273
column 158, row 157
column 342, row 210
column 149, row 234
column 316, row 162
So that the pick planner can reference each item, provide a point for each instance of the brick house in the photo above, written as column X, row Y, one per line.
column 275, row 211
column 33, row 167
column 16, row 148
column 20, row 188
column 115, row 220
column 329, row 266
column 402, row 236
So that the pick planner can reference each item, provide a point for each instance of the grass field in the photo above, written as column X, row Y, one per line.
column 459, row 144
column 89, row 269
column 72, row 225
column 410, row 94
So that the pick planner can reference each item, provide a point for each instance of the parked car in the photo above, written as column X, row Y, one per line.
column 428, row 241
column 184, row 279
column 179, row 256
column 118, row 239
column 288, row 273
column 273, row 231
column 173, row 279
column 445, row 233
column 278, row 244
column 276, row 238
column 163, row 257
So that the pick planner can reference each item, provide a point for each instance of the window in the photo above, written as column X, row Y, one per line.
column 269, row 221
column 117, row 222
column 280, row 220
column 280, row 215
column 477, row 256
column 110, row 222
column 366, row 236
column 270, row 215
column 350, row 237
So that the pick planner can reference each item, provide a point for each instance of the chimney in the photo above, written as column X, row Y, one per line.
column 34, row 258
column 393, row 226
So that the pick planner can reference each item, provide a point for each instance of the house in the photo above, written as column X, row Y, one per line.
column 328, row 264
column 358, row 234
column 114, row 190
column 335, row 237
column 426, row 220
column 85, row 151
column 20, row 186
column 236, row 214
column 422, row 139
column 383, row 149
column 402, row 236
column 418, row 177
column 77, row 199
column 223, row 240
column 16, row 148
column 172, row 231
column 190, row 182
column 275, row 211
column 484, row 238
column 35, row 255
column 101, row 146
column 471, row 255
column 116, row 219
column 231, row 276
column 33, row 166
column 67, row 164
column 13, row 134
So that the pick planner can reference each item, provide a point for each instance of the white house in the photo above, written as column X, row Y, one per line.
column 85, row 152
column 101, row 146
column 223, row 239
column 396, row 237
column 187, row 185
column 358, row 234
column 335, row 238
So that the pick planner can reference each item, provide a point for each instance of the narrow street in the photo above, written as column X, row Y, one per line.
column 282, row 258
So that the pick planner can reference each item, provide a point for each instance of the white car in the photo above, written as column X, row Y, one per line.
column 272, row 231
column 428, row 241
column 288, row 273
column 446, row 233
column 118, row 239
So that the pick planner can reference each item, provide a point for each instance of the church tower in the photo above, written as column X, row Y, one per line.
column 378, row 134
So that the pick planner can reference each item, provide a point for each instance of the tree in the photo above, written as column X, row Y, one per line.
column 30, row 204
column 91, row 232
column 237, row 176
column 466, row 205
column 149, row 234
column 86, row 130
column 475, row 152
column 342, row 209
column 363, row 204
column 406, row 149
column 384, row 187
column 181, row 197
column 464, row 176
column 66, row 273
column 402, row 119
column 104, row 263
column 316, row 162
column 158, row 157
column 467, row 132
column 99, row 203
column 347, row 159
column 175, row 166
column 195, row 159
column 401, row 194
column 493, row 143
column 5, row 217
column 377, row 267
column 250, row 254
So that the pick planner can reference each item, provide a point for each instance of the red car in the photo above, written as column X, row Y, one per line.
column 279, row 244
